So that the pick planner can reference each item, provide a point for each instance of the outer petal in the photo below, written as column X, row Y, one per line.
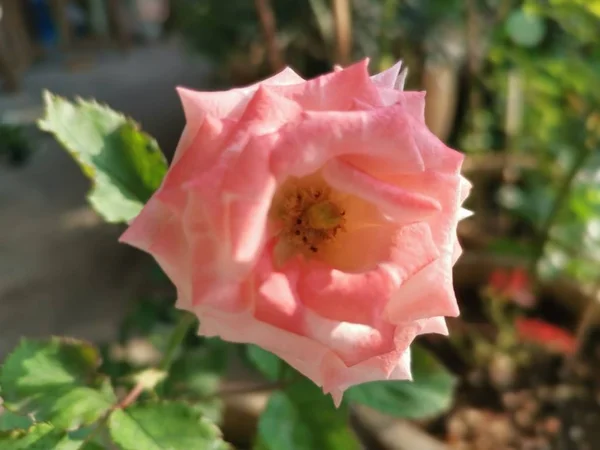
column 384, row 134
column 335, row 91
column 391, row 78
column 338, row 378
column 429, row 293
column 156, row 231
column 229, row 104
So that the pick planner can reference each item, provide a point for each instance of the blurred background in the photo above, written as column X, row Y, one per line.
column 514, row 84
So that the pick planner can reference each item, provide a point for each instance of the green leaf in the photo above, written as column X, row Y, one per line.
column 56, row 381
column 266, row 362
column 429, row 394
column 161, row 426
column 11, row 421
column 303, row 418
column 525, row 29
column 125, row 165
column 43, row 436
column 196, row 376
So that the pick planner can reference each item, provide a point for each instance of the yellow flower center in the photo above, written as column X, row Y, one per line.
column 309, row 215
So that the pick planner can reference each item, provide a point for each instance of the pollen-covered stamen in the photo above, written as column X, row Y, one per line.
column 310, row 217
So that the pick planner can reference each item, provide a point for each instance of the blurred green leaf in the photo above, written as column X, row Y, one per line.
column 124, row 164
column 430, row 393
column 196, row 376
column 266, row 362
column 39, row 437
column 161, row 426
column 199, row 370
column 303, row 418
column 56, row 381
column 525, row 29
column 43, row 436
column 11, row 421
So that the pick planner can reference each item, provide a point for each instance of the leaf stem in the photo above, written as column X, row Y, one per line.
column 180, row 332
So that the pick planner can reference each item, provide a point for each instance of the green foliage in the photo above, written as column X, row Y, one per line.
column 15, row 148
column 196, row 376
column 525, row 29
column 302, row 418
column 265, row 362
column 43, row 436
column 165, row 425
column 56, row 381
column 11, row 421
column 124, row 164
column 58, row 384
column 429, row 394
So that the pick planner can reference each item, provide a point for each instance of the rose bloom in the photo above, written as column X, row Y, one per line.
column 316, row 219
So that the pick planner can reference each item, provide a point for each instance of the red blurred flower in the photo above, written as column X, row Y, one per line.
column 514, row 285
column 546, row 335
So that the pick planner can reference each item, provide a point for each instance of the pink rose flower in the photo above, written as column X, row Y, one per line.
column 316, row 219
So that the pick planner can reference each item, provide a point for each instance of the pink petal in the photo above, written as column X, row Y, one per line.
column 404, row 206
column 444, row 188
column 219, row 104
column 361, row 297
column 388, row 78
column 434, row 325
column 384, row 134
column 228, row 104
column 267, row 111
column 247, row 192
column 302, row 353
column 334, row 91
column 436, row 155
column 337, row 377
column 285, row 77
column 200, row 153
column 428, row 293
column 156, row 231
